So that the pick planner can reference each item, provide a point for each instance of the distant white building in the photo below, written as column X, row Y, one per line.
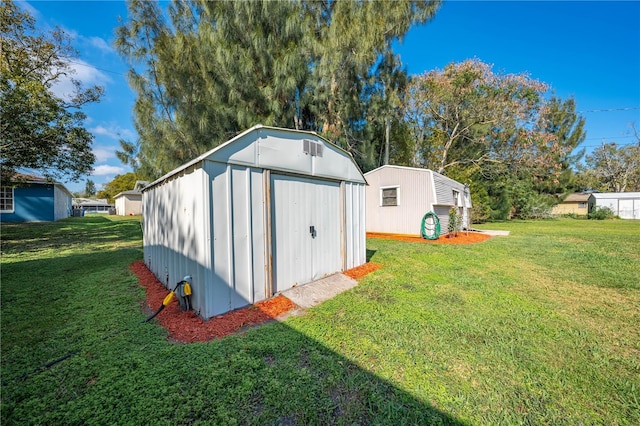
column 129, row 203
column 89, row 205
column 626, row 205
column 399, row 197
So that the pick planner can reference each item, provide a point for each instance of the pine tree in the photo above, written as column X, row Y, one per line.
column 218, row 68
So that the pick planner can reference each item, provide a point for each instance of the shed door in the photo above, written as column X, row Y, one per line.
column 306, row 232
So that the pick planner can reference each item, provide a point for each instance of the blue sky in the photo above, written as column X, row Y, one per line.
column 589, row 50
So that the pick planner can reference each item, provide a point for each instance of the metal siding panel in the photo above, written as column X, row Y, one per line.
column 415, row 194
column 241, row 288
column 218, row 300
column 282, row 151
column 258, row 233
column 607, row 202
column 444, row 193
column 443, row 215
column 174, row 246
column 348, row 232
column 355, row 225
column 360, row 257
column 120, row 206
column 626, row 209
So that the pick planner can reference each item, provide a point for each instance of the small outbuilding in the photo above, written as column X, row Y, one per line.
column 34, row 199
column 129, row 203
column 577, row 204
column 266, row 211
column 399, row 197
column 625, row 205
column 90, row 205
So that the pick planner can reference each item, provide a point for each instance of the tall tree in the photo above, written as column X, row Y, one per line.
column 560, row 119
column 120, row 183
column 217, row 68
column 466, row 114
column 139, row 41
column 90, row 188
column 39, row 130
column 493, row 130
column 614, row 168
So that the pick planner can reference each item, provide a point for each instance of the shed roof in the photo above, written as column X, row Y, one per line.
column 130, row 192
column 577, row 198
column 616, row 195
column 242, row 150
column 414, row 169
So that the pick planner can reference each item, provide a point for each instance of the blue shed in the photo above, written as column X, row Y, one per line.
column 34, row 199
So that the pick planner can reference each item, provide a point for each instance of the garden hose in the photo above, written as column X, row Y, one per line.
column 430, row 229
column 185, row 286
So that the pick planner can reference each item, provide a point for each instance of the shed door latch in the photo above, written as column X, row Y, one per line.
column 312, row 231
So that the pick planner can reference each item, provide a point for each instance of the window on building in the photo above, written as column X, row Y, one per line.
column 582, row 205
column 456, row 198
column 6, row 199
column 389, row 196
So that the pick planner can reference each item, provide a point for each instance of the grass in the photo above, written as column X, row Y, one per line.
column 540, row 327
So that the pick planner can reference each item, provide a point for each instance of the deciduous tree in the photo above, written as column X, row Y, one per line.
column 90, row 188
column 39, row 130
column 614, row 168
column 499, row 131
column 120, row 183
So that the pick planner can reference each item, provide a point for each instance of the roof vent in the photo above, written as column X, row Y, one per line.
column 312, row 148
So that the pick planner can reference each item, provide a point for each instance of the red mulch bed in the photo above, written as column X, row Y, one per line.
column 187, row 327
column 462, row 238
column 361, row 271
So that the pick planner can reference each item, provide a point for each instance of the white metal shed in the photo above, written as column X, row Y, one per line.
column 398, row 198
column 626, row 205
column 268, row 210
column 128, row 203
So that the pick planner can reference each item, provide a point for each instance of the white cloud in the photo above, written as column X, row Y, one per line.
column 82, row 71
column 113, row 131
column 105, row 169
column 104, row 153
column 98, row 43
column 110, row 132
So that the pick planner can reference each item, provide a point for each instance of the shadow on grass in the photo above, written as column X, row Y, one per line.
column 370, row 254
column 271, row 375
column 91, row 230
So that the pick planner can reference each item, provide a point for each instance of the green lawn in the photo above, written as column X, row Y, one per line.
column 540, row 327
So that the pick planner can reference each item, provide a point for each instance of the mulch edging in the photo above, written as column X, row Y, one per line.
column 462, row 238
column 187, row 327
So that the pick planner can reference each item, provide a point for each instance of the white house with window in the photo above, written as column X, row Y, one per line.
column 397, row 199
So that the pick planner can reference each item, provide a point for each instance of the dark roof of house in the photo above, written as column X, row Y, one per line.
column 23, row 178
column 577, row 198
